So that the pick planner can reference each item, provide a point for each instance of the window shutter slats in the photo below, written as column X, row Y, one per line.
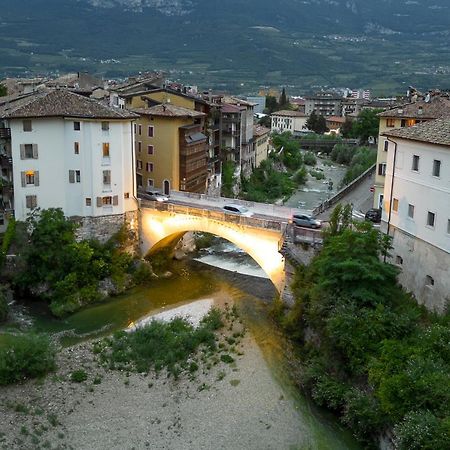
column 36, row 178
column 71, row 176
column 35, row 151
column 99, row 201
column 23, row 179
column 22, row 151
column 115, row 200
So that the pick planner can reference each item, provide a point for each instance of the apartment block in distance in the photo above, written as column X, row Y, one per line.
column 416, row 209
column 292, row 121
column 73, row 153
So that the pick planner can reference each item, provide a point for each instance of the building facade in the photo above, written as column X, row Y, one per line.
column 324, row 104
column 73, row 153
column 416, row 209
column 262, row 143
column 292, row 121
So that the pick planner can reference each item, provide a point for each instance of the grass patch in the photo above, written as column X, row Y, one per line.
column 161, row 345
column 78, row 376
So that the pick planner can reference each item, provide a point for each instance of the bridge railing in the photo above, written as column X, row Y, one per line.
column 254, row 222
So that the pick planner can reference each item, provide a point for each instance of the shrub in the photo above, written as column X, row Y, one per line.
column 78, row 376
column 26, row 356
column 317, row 174
column 309, row 159
column 3, row 306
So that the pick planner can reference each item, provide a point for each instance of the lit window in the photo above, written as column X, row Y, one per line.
column 415, row 163
column 411, row 211
column 29, row 177
column 106, row 149
column 126, row 195
column 395, row 205
column 77, row 126
column 436, row 168
column 431, row 218
column 106, row 200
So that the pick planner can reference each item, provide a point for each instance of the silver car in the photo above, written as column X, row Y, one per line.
column 302, row 220
column 237, row 209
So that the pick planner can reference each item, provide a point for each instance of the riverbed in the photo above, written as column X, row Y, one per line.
column 252, row 404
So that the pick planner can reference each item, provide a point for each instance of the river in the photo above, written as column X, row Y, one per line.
column 220, row 270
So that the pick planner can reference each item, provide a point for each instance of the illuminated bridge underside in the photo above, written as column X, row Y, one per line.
column 160, row 228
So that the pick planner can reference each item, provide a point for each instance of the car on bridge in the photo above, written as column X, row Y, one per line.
column 302, row 220
column 154, row 195
column 238, row 210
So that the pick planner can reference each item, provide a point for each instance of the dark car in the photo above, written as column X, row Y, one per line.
column 374, row 215
column 302, row 220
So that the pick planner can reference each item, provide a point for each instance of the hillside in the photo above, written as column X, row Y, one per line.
column 235, row 44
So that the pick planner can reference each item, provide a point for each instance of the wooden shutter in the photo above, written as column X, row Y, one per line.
column 36, row 178
column 115, row 200
column 99, row 201
column 35, row 151
column 22, row 151
column 71, row 176
column 22, row 177
column 33, row 201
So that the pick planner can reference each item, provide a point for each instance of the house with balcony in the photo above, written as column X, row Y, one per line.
column 432, row 106
column 324, row 104
column 416, row 209
column 74, row 153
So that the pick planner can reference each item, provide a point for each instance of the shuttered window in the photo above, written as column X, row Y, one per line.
column 71, row 176
column 31, row 201
column 28, row 151
column 29, row 178
column 107, row 177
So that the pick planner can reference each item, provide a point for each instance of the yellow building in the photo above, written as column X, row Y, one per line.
column 429, row 108
column 261, row 143
column 171, row 149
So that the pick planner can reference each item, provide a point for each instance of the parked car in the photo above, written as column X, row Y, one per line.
column 374, row 215
column 157, row 196
column 237, row 209
column 302, row 220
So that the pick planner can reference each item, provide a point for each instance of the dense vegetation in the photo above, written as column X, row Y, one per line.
column 366, row 125
column 3, row 305
column 25, row 356
column 228, row 179
column 359, row 159
column 371, row 354
column 54, row 266
column 160, row 345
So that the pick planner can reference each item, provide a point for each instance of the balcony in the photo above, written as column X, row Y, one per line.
column 5, row 133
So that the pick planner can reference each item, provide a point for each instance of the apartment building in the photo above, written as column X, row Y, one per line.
column 416, row 209
column 261, row 143
column 73, row 153
column 292, row 121
column 171, row 149
column 428, row 108
column 324, row 104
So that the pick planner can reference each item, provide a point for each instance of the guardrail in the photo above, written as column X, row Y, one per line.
column 333, row 200
column 254, row 222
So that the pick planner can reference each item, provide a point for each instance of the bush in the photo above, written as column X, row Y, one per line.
column 26, row 356
column 3, row 306
column 78, row 376
column 317, row 174
column 309, row 159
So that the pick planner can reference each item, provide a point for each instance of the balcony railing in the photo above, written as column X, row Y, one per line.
column 5, row 133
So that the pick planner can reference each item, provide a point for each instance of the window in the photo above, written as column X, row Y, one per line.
column 395, row 205
column 76, row 148
column 429, row 281
column 139, row 129
column 29, row 177
column 106, row 201
column 150, row 183
column 107, row 177
column 415, row 163
column 126, row 195
column 410, row 211
column 150, row 149
column 135, row 128
column 139, row 164
column 150, row 131
column 399, row 260
column 28, row 151
column 105, row 126
column 386, row 146
column 390, row 123
column 105, row 149
column 88, row 201
column 436, row 168
column 27, row 125
column 77, row 176
column 149, row 167
column 431, row 218
column 382, row 169
column 77, row 126
column 139, row 147
column 31, row 201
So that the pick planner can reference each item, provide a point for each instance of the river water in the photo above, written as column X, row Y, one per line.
column 222, row 270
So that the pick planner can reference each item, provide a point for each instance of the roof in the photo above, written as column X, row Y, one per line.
column 168, row 110
column 288, row 113
column 61, row 103
column 339, row 119
column 227, row 108
column 195, row 137
column 259, row 130
column 434, row 132
column 437, row 107
column 237, row 101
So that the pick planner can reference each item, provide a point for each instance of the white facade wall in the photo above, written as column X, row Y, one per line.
column 281, row 124
column 55, row 138
column 422, row 251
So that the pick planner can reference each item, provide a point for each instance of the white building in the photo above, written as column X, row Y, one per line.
column 74, row 153
column 292, row 121
column 416, row 209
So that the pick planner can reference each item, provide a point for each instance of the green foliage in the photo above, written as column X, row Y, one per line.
column 3, row 90
column 347, row 128
column 342, row 154
column 366, row 125
column 3, row 305
column 271, row 104
column 363, row 159
column 309, row 159
column 317, row 174
column 203, row 240
column 316, row 123
column 8, row 238
column 26, row 356
column 67, row 272
column 78, row 376
column 160, row 259
column 265, row 121
column 228, row 179
column 289, row 148
column 162, row 345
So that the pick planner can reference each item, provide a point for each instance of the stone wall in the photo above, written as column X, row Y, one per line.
column 424, row 270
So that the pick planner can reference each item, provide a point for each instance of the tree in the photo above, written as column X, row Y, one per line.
column 265, row 121
column 3, row 90
column 366, row 125
column 283, row 100
column 271, row 104
column 316, row 123
column 347, row 128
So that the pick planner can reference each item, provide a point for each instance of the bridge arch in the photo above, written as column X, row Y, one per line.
column 160, row 228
